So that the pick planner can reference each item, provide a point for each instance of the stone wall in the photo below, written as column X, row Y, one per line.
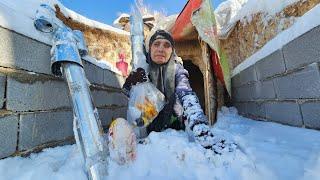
column 283, row 87
column 35, row 111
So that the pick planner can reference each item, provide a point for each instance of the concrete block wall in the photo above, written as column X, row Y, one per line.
column 283, row 87
column 35, row 110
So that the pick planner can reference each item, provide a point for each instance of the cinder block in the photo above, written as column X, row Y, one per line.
column 108, row 114
column 112, row 79
column 40, row 95
column 241, row 107
column 235, row 94
column 270, row 65
column 256, row 109
column 93, row 73
column 303, row 50
column 97, row 75
column 301, row 84
column 103, row 98
column 248, row 75
column 2, row 89
column 235, row 81
column 264, row 90
column 244, row 93
column 8, row 134
column 284, row 112
column 18, row 51
column 44, row 127
column 311, row 114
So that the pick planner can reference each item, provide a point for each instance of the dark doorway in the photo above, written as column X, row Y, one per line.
column 196, row 81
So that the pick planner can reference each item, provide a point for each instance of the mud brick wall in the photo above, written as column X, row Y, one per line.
column 35, row 111
column 283, row 87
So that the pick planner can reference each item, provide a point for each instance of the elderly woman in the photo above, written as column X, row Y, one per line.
column 182, row 110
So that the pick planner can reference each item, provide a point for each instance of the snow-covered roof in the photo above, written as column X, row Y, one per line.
column 124, row 19
column 117, row 22
column 231, row 11
column 302, row 25
column 95, row 24
column 18, row 16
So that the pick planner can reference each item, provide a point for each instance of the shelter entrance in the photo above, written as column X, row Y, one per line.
column 196, row 81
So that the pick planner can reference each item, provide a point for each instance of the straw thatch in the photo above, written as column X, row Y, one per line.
column 248, row 37
column 102, row 44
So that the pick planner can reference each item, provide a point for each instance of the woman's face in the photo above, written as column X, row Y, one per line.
column 161, row 50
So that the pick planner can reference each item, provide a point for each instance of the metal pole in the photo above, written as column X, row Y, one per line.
column 67, row 46
column 87, row 126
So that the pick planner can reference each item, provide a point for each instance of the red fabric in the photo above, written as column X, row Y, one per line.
column 216, row 66
column 122, row 65
column 184, row 19
column 181, row 26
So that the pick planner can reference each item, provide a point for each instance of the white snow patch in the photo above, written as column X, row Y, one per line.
column 52, row 164
column 231, row 11
column 18, row 15
column 92, row 23
column 268, row 151
column 302, row 25
column 116, row 21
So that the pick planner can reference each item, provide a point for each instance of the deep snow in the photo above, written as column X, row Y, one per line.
column 268, row 151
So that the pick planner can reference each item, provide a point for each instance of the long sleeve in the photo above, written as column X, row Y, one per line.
column 188, row 99
column 196, row 121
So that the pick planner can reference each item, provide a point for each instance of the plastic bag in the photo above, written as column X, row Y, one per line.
column 122, row 141
column 145, row 103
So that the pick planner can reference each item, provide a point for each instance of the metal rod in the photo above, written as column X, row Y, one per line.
column 88, row 128
column 67, row 48
column 137, row 40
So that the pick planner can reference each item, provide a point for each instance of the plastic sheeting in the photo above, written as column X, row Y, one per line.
column 198, row 17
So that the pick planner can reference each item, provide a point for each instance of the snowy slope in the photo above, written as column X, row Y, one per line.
column 273, row 152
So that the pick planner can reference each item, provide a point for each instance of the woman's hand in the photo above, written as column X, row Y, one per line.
column 135, row 77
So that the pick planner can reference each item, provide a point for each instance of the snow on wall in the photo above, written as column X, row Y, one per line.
column 231, row 11
column 18, row 16
column 245, row 29
column 35, row 103
column 281, row 82
column 302, row 25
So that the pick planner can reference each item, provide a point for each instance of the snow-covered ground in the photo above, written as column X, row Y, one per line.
column 268, row 151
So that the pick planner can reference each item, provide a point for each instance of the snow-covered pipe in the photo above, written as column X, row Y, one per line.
column 67, row 48
column 137, row 40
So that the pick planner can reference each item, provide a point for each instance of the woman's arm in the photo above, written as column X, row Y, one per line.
column 188, row 99
column 197, row 122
